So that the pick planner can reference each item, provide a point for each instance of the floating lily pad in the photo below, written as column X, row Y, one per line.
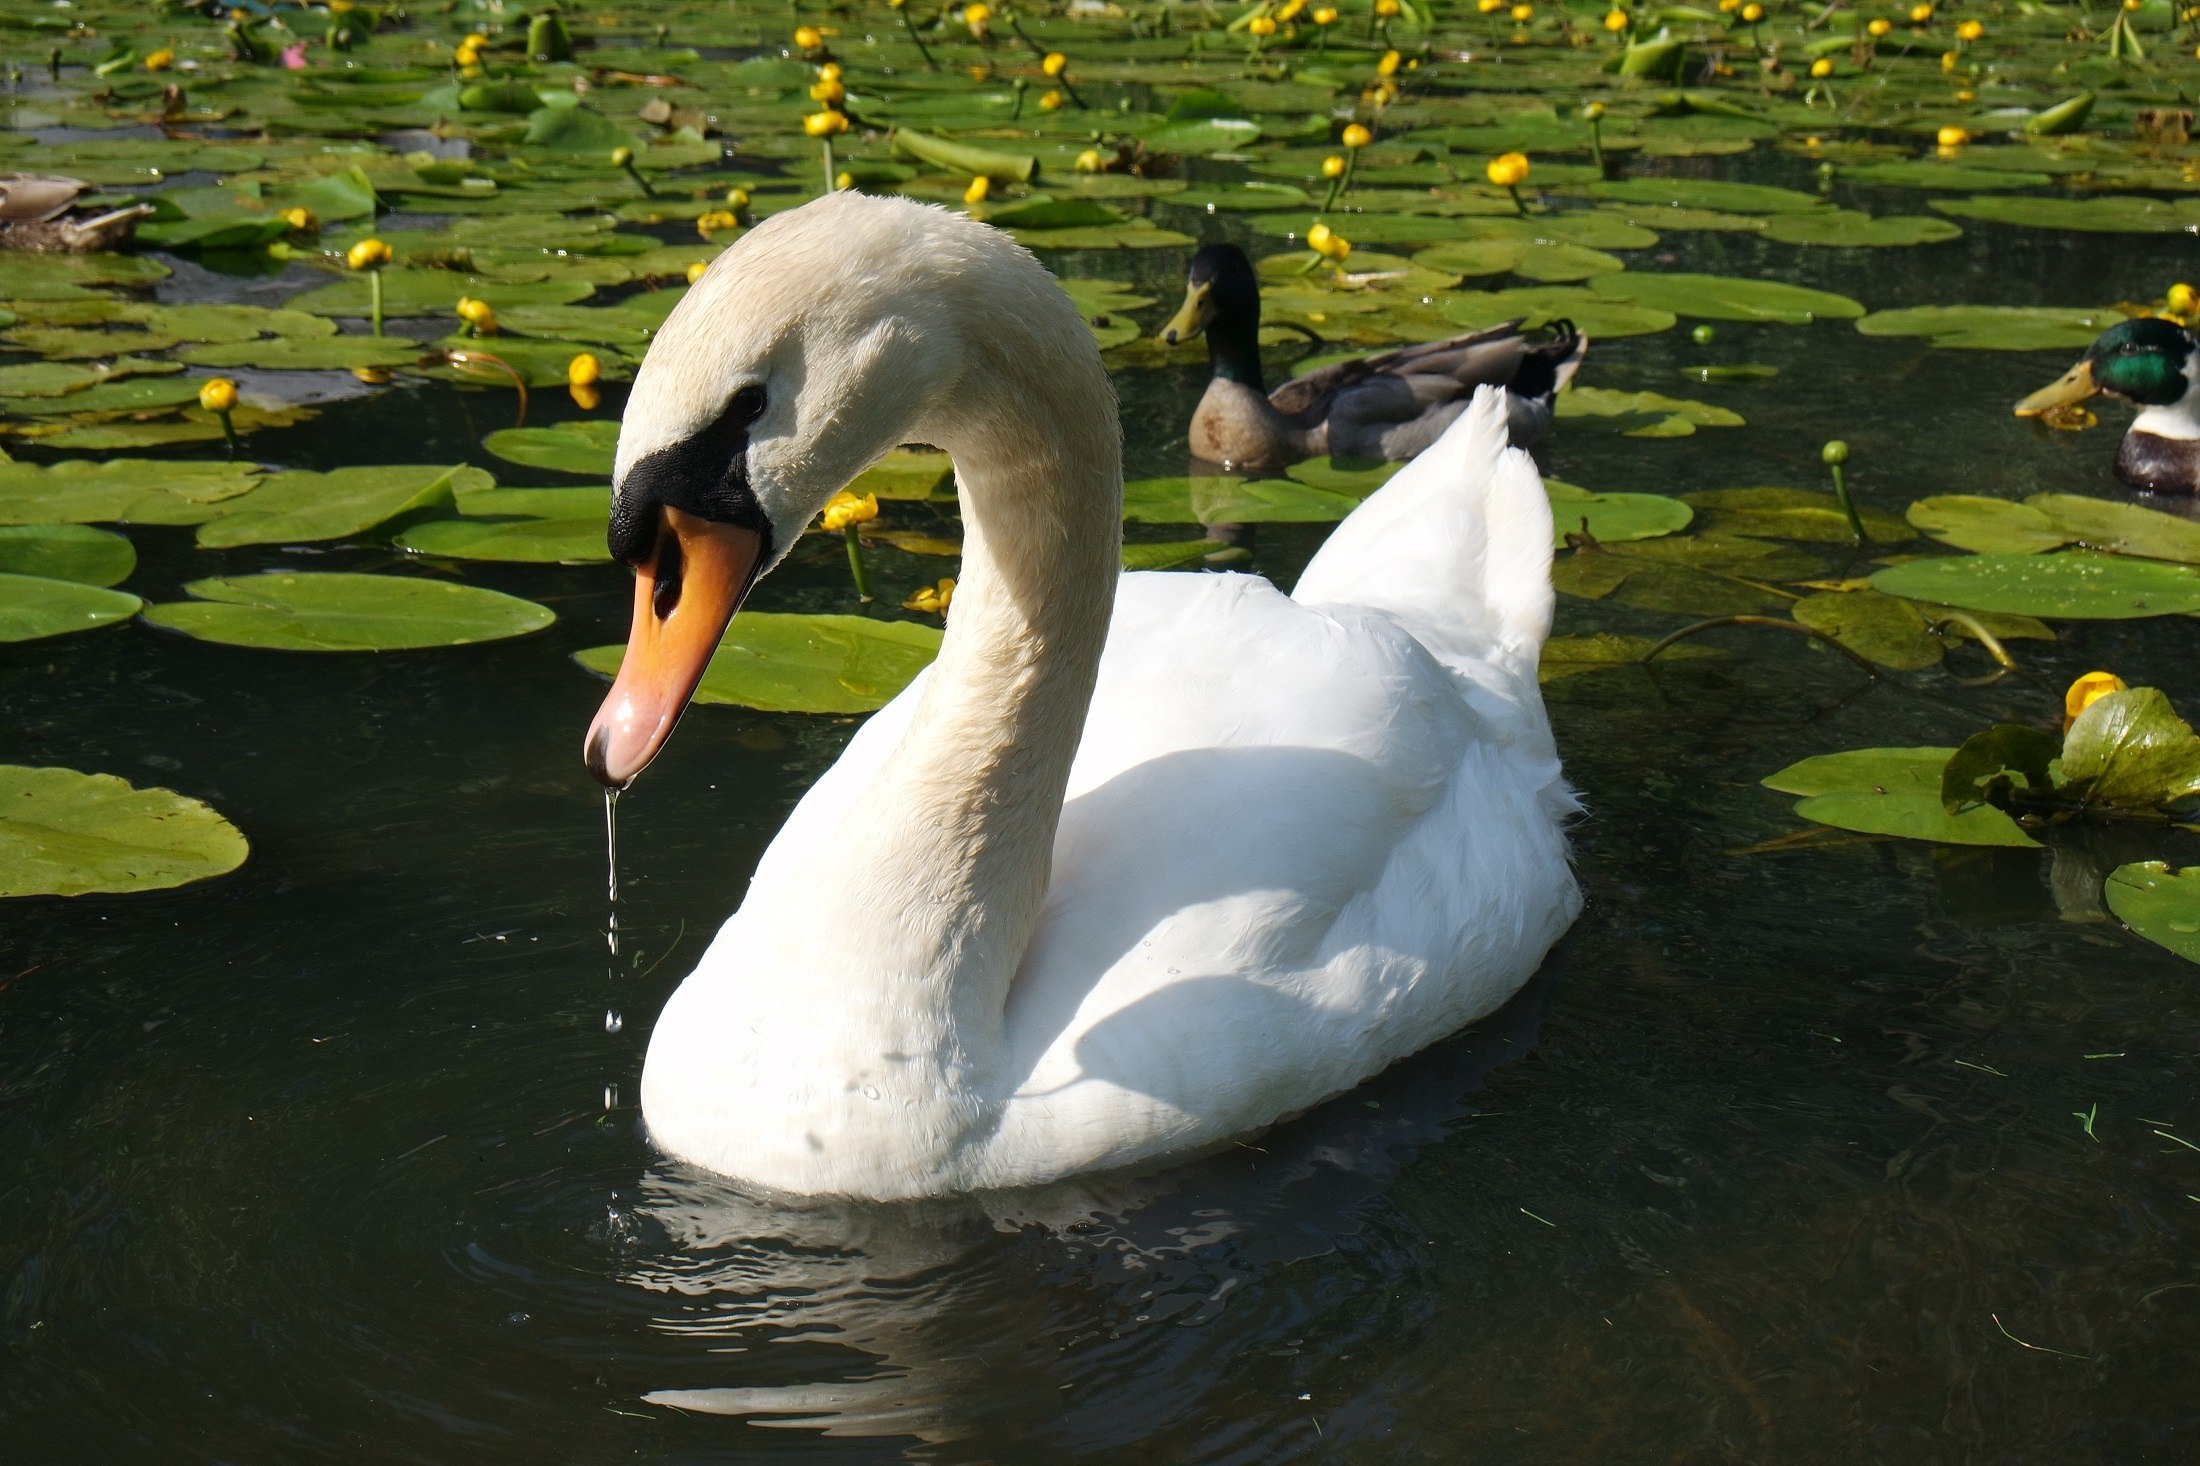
column 906, row 474
column 2105, row 214
column 1531, row 259
column 2070, row 585
column 422, row 292
column 1986, row 526
column 1167, row 554
column 1993, row 327
column 66, row 552
column 1233, row 501
column 1727, row 297
column 1847, row 229
column 1574, row 656
column 341, row 612
column 2160, row 904
column 63, row 833
column 1643, row 414
column 803, row 664
column 1612, row 518
column 568, row 541
column 573, row 447
column 308, row 353
column 1697, row 575
column 1706, row 193
column 2130, row 751
column 1953, row 177
column 1892, row 791
column 295, row 508
column 1791, row 514
column 120, row 491
column 33, row 607
column 1537, row 306
column 2121, row 529
column 1880, row 628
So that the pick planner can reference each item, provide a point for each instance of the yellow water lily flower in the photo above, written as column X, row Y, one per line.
column 1262, row 26
column 717, row 221
column 1290, row 10
column 1089, row 161
column 1951, row 137
column 695, row 271
column 1325, row 15
column 1822, row 67
column 1970, row 30
column 367, row 254
column 586, row 398
column 827, row 123
column 1388, row 66
column 844, row 509
column 1489, row 7
column 1333, row 166
column 2182, row 300
column 844, row 180
column 932, row 600
column 1751, row 14
column 1523, row 13
column 1879, row 27
column 1508, row 170
column 2088, row 690
column 1388, row 9
column 160, row 60
column 979, row 188
column 1948, row 60
column 301, row 219
column 1615, row 21
column 1327, row 243
column 1357, row 135
column 477, row 314
column 808, row 37
column 218, row 395
column 1919, row 14
column 1054, row 63
column 583, row 370
column 1051, row 102
column 828, row 89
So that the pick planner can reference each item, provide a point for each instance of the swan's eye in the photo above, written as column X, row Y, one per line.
column 747, row 405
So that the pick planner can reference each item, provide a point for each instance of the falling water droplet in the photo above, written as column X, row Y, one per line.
column 611, row 932
column 612, row 1022
column 611, row 1096
column 611, row 839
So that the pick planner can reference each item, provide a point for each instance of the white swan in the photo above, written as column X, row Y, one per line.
column 1094, row 890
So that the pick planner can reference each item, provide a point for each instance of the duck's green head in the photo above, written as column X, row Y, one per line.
column 2144, row 361
column 1222, row 301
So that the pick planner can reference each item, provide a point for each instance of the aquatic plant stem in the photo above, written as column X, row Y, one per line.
column 830, row 172
column 916, row 40
column 1848, row 505
column 856, row 569
column 229, row 431
column 374, row 294
column 1773, row 623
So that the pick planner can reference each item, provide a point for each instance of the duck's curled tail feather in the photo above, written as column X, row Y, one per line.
column 1456, row 547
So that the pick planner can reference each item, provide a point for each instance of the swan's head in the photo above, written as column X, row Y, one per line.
column 820, row 340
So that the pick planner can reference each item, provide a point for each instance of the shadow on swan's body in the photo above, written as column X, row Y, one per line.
column 1142, row 862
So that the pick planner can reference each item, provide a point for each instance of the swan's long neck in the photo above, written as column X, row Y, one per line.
column 918, row 909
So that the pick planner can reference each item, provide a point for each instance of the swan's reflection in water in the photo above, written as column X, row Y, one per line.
column 1081, row 1317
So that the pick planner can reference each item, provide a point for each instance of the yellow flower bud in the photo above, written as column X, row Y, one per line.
column 1970, row 30
column 828, row 90
column 828, row 71
column 477, row 314
column 1879, row 27
column 2088, row 690
column 827, row 123
column 301, row 219
column 1325, row 15
column 1388, row 65
column 1753, row 13
column 737, row 198
column 932, row 600
column 160, row 60
column 1615, row 21
column 1522, row 14
column 979, row 188
column 1356, row 135
column 695, row 271
column 1593, row 111
column 621, row 157
column 1051, row 102
column 1089, row 161
column 1327, row 243
column 1952, row 137
column 1966, row 95
column 218, row 395
column 1948, row 60
column 1508, row 170
column 1054, row 63
column 1333, row 166
column 583, row 370
column 844, row 180
column 367, row 254
column 807, row 37
column 717, row 221
column 1822, row 67
column 1388, row 9
column 1728, row 7
column 844, row 509
column 975, row 16
column 1261, row 25
column 1919, row 14
column 1290, row 10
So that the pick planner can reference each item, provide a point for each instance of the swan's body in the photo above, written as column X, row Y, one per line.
column 1110, row 882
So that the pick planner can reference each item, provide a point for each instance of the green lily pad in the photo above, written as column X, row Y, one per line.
column 309, row 353
column 2160, row 904
column 132, row 394
column 906, row 474
column 1994, row 327
column 27, row 276
column 1917, row 173
column 2121, row 529
column 1531, row 259
column 1847, row 229
column 2130, row 751
column 59, row 378
column 33, row 607
column 421, row 292
column 1612, row 518
column 568, row 541
column 1986, row 526
column 1538, row 305
column 1233, row 501
column 589, row 448
column 1892, row 791
column 1643, row 414
column 63, row 833
column 120, row 491
column 1253, row 196
column 294, row 508
column 1791, row 514
column 1575, row 656
column 66, row 552
column 1696, row 575
column 1167, row 554
column 341, row 612
column 1706, row 193
column 1727, row 297
column 495, row 503
column 2104, row 214
column 1883, row 629
column 2070, row 585
column 803, row 664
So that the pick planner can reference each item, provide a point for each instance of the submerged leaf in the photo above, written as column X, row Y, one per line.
column 1574, row 656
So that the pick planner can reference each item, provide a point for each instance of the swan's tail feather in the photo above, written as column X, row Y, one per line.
column 1457, row 547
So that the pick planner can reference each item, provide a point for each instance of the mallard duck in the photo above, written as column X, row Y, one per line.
column 1386, row 407
column 2150, row 362
column 41, row 214
column 1048, row 914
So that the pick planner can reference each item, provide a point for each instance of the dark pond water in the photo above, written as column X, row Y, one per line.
column 1779, row 1159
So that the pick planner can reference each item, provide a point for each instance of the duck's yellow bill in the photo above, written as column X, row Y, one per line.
column 1193, row 316
column 2071, row 387
column 683, row 599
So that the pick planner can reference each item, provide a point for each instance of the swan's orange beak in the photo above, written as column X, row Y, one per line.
column 683, row 598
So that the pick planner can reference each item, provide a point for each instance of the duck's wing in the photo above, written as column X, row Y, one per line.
column 1394, row 405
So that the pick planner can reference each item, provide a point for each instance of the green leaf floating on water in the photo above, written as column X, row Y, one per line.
column 341, row 612
column 1612, row 518
column 1643, row 414
column 66, row 552
column 555, row 541
column 1986, row 526
column 1791, row 514
column 120, row 491
column 1918, row 173
column 294, row 508
column 574, row 447
column 2121, row 529
column 803, row 664
column 1167, row 554
column 2071, row 585
column 1536, row 306
column 1575, row 656
column 309, row 353
column 1727, row 297
column 2160, row 904
column 1897, row 633
column 1233, row 501
column 2107, row 214
column 33, row 607
column 1550, row 261
column 1847, row 229
column 63, row 833
column 1994, row 327
column 1706, row 193
column 423, row 292
column 2130, row 751
column 1892, row 791
column 907, row 474
column 1698, row 575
